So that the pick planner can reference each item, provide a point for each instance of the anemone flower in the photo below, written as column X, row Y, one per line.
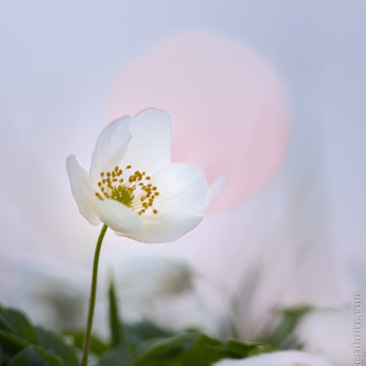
column 133, row 188
column 280, row 358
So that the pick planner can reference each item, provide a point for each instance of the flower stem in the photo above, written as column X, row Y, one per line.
column 93, row 292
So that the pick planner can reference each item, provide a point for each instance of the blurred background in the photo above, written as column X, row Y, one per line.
column 270, row 93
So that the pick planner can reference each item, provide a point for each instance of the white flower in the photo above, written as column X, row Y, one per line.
column 132, row 186
column 329, row 332
column 280, row 358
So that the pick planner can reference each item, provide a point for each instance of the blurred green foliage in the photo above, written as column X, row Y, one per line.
column 141, row 344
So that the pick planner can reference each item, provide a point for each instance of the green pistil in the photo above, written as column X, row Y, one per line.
column 123, row 194
column 113, row 186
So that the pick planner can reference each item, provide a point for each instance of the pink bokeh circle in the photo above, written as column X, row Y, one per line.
column 228, row 109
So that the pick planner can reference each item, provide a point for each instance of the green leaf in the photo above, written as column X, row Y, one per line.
column 173, row 358
column 35, row 356
column 282, row 336
column 204, row 351
column 137, row 333
column 115, row 357
column 241, row 349
column 56, row 344
column 114, row 321
column 11, row 343
column 17, row 323
column 162, row 349
column 97, row 346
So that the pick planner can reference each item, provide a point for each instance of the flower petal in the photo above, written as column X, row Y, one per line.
column 165, row 227
column 278, row 358
column 82, row 190
column 149, row 149
column 181, row 187
column 118, row 216
column 110, row 148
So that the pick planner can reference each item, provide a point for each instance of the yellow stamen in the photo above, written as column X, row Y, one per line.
column 135, row 192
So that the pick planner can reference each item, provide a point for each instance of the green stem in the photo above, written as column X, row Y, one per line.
column 93, row 292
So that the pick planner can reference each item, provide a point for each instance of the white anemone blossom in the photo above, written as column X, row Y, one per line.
column 279, row 358
column 132, row 186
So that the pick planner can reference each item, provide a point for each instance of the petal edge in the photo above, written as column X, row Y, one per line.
column 164, row 228
column 181, row 187
column 149, row 149
column 110, row 147
column 82, row 190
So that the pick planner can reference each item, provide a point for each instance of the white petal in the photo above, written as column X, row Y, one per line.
column 181, row 187
column 82, row 190
column 165, row 227
column 118, row 216
column 215, row 188
column 280, row 358
column 149, row 149
column 110, row 148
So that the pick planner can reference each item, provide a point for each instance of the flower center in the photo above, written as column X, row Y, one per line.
column 136, row 193
column 123, row 194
